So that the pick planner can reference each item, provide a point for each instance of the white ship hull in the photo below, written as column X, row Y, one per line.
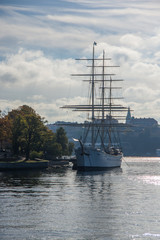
column 93, row 158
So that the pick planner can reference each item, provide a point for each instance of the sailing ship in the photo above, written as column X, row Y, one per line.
column 103, row 150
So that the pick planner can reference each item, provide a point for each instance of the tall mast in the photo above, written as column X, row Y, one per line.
column 93, row 141
column 102, row 142
column 103, row 87
column 110, row 111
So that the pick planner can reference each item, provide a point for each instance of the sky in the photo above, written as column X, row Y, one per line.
column 40, row 40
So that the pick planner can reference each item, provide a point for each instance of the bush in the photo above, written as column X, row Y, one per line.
column 35, row 154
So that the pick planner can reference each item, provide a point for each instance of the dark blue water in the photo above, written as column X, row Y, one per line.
column 63, row 204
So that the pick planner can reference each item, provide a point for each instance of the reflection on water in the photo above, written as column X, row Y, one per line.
column 66, row 204
column 95, row 181
column 17, row 178
column 150, row 179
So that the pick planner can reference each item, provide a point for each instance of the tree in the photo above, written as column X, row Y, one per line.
column 5, row 131
column 28, row 133
column 62, row 139
column 28, row 130
column 16, row 134
column 70, row 148
column 15, row 118
column 51, row 148
column 31, row 133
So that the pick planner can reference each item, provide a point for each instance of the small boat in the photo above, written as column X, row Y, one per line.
column 103, row 150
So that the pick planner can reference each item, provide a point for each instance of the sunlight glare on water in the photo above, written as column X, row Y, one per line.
column 150, row 179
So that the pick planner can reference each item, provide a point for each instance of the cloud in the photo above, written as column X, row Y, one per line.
column 132, row 41
column 73, row 28
column 141, row 94
column 39, row 42
column 29, row 77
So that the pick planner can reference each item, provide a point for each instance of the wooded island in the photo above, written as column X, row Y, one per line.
column 24, row 133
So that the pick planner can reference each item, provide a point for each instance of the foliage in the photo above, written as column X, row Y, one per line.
column 27, row 128
column 5, row 131
column 29, row 136
column 35, row 154
column 62, row 139
column 67, row 147
column 70, row 148
column 52, row 149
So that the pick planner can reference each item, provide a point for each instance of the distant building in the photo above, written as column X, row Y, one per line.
column 128, row 118
column 140, row 122
column 107, row 120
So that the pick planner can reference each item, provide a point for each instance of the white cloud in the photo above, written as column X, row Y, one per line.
column 141, row 94
column 31, row 36
column 72, row 28
column 132, row 41
column 29, row 77
column 36, row 98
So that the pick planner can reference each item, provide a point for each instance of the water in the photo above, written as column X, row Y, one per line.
column 63, row 204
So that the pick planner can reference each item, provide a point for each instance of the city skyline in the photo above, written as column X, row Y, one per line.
column 40, row 40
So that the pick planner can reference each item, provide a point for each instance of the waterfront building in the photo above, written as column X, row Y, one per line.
column 140, row 122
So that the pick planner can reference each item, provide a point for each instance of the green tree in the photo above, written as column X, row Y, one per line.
column 5, row 131
column 28, row 130
column 62, row 139
column 16, row 134
column 15, row 118
column 51, row 148
column 70, row 148
column 29, row 134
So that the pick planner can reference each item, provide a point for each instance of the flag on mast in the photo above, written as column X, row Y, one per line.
column 95, row 43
